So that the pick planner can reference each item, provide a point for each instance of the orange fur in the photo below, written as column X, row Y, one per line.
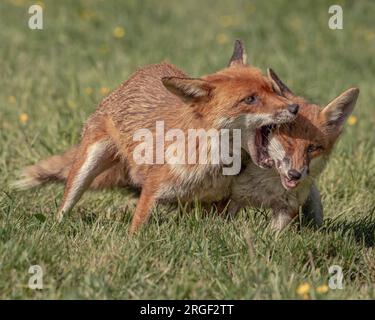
column 162, row 92
column 300, row 151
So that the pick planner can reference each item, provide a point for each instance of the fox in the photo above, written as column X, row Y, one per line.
column 299, row 151
column 238, row 96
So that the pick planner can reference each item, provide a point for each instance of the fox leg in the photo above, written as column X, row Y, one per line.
column 234, row 207
column 92, row 158
column 312, row 209
column 281, row 218
column 143, row 209
column 115, row 176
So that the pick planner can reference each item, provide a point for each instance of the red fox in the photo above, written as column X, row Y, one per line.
column 299, row 151
column 238, row 96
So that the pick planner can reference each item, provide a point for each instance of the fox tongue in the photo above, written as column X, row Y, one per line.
column 291, row 183
column 288, row 183
column 257, row 147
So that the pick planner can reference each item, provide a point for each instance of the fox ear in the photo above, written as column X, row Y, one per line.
column 278, row 85
column 339, row 109
column 239, row 56
column 188, row 89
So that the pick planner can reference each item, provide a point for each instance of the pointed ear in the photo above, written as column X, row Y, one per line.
column 239, row 56
column 188, row 89
column 279, row 86
column 339, row 109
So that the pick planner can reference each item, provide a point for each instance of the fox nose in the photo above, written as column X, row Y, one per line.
column 294, row 174
column 293, row 108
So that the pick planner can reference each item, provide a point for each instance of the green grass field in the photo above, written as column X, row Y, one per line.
column 51, row 80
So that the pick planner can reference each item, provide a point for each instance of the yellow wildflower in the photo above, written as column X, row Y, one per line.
column 322, row 289
column 369, row 35
column 227, row 21
column 88, row 91
column 118, row 32
column 88, row 14
column 12, row 99
column 23, row 118
column 72, row 104
column 104, row 90
column 18, row 3
column 295, row 23
column 352, row 120
column 303, row 289
column 305, row 296
column 222, row 38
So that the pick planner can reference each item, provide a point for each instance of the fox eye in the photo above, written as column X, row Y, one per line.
column 251, row 99
column 311, row 148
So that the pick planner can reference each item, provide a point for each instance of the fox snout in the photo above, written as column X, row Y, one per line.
column 287, row 114
column 294, row 174
column 298, row 174
column 293, row 108
column 293, row 177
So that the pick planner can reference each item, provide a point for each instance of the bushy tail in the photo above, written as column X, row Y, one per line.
column 56, row 169
column 52, row 169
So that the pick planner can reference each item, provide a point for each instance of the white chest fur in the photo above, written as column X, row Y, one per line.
column 262, row 188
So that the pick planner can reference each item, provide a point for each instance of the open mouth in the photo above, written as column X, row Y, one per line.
column 288, row 183
column 258, row 147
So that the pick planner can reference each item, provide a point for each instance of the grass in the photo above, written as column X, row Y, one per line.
column 53, row 79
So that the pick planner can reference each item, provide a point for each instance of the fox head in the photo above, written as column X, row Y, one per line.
column 300, row 149
column 237, row 97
